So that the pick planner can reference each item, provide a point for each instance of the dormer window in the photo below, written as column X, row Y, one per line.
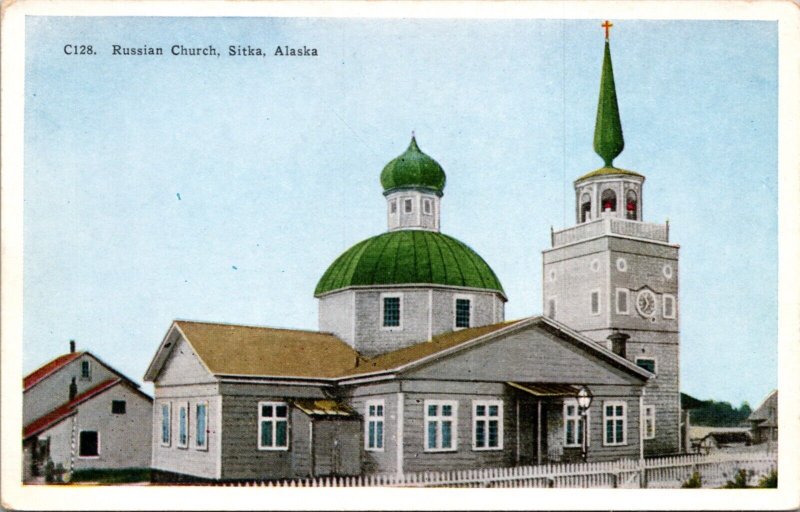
column 608, row 200
column 427, row 208
column 630, row 205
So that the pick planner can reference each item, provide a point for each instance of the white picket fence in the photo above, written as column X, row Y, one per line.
column 665, row 472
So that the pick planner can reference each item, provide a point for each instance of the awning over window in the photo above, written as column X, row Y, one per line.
column 323, row 408
column 545, row 390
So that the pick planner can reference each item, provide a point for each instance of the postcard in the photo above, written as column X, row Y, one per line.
column 399, row 255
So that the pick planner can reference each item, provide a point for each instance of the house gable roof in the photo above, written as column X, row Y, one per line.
column 242, row 350
column 767, row 411
column 48, row 369
column 451, row 343
column 66, row 410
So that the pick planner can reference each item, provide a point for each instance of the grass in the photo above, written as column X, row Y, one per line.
column 112, row 476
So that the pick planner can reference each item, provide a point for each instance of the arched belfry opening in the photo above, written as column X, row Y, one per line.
column 608, row 200
column 586, row 207
column 631, row 205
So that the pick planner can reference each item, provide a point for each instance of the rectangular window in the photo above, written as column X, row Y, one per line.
column 86, row 370
column 89, row 443
column 595, row 300
column 573, row 424
column 623, row 295
column 615, row 423
column 668, row 304
column 408, row 205
column 463, row 309
column 118, row 407
column 426, row 206
column 391, row 306
column 441, row 423
column 183, row 426
column 551, row 307
column 393, row 206
column 166, row 424
column 374, row 426
column 273, row 426
column 649, row 421
column 487, row 425
column 201, row 426
column 647, row 363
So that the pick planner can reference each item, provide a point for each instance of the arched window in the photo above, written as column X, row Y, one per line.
column 586, row 208
column 608, row 200
column 630, row 205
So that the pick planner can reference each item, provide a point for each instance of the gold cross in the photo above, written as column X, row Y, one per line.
column 607, row 25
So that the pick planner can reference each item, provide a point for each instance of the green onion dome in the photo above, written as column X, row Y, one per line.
column 413, row 169
column 409, row 257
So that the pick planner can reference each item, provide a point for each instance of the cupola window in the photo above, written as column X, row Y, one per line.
column 408, row 205
column 393, row 206
column 426, row 206
column 609, row 200
column 391, row 311
column 586, row 208
column 630, row 205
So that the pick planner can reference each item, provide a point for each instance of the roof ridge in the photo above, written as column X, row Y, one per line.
column 250, row 326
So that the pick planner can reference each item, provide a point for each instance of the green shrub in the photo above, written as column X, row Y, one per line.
column 739, row 480
column 770, row 480
column 112, row 476
column 694, row 482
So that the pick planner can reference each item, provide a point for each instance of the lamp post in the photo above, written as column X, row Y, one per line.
column 584, row 397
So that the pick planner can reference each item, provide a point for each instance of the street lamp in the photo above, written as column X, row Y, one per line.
column 584, row 397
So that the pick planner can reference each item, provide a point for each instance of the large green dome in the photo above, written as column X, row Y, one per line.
column 409, row 257
column 413, row 169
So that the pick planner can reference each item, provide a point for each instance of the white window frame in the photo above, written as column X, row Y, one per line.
column 471, row 299
column 599, row 302
column 668, row 297
column 614, row 418
column 169, row 424
column 96, row 431
column 439, row 419
column 274, row 420
column 408, row 201
column 655, row 363
column 204, row 446
column 649, row 416
column 427, row 204
column 547, row 312
column 178, row 443
column 375, row 419
column 486, row 419
column 627, row 293
column 577, row 419
column 392, row 295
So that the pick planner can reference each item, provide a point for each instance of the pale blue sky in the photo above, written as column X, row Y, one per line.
column 276, row 161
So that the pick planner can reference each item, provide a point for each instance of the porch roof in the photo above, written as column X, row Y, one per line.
column 324, row 408
column 545, row 389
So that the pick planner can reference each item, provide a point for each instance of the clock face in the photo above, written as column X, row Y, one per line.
column 646, row 303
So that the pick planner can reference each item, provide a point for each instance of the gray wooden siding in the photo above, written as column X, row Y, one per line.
column 183, row 366
column 54, row 391
column 531, row 355
column 374, row 462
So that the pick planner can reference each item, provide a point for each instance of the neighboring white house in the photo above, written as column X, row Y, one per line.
column 80, row 413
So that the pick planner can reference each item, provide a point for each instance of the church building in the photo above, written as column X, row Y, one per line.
column 414, row 366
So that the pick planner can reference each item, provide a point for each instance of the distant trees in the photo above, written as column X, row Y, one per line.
column 710, row 413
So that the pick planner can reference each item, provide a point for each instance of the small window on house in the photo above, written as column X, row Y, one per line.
column 201, row 426
column 649, row 421
column 668, row 304
column 615, row 423
column 463, row 307
column 623, row 294
column 118, row 407
column 393, row 206
column 630, row 205
column 166, row 424
column 408, row 205
column 86, row 370
column 89, row 444
column 391, row 314
column 426, row 206
column 595, row 302
column 374, row 425
column 441, row 420
column 273, row 426
column 647, row 363
column 183, row 426
column 551, row 308
column 573, row 424
column 487, row 425
column 608, row 200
